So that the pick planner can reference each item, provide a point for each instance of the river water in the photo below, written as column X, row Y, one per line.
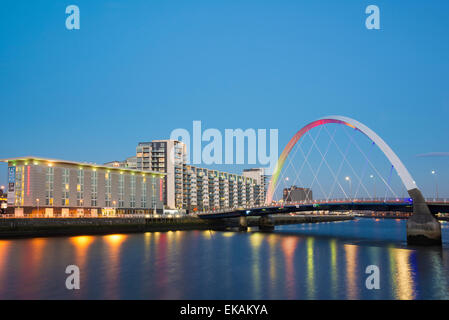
column 308, row 261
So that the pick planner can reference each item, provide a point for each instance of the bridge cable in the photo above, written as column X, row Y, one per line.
column 377, row 172
column 344, row 159
column 338, row 174
column 285, row 170
column 349, row 164
column 327, row 164
column 310, row 166
column 362, row 176
column 290, row 163
column 323, row 158
column 389, row 180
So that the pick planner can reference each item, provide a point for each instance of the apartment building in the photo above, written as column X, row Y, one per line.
column 194, row 188
column 68, row 188
column 297, row 194
column 168, row 157
column 206, row 189
column 261, row 180
column 130, row 163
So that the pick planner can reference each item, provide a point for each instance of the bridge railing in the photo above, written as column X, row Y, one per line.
column 73, row 216
column 437, row 200
column 376, row 200
column 325, row 201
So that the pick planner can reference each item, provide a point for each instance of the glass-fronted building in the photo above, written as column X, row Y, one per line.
column 59, row 188
column 198, row 189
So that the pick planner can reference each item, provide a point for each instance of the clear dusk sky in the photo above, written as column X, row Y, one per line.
column 136, row 70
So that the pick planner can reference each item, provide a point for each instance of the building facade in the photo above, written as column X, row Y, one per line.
column 261, row 179
column 209, row 190
column 130, row 163
column 296, row 194
column 199, row 189
column 168, row 157
column 66, row 188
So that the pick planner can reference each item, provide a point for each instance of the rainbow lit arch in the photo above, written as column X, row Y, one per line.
column 402, row 171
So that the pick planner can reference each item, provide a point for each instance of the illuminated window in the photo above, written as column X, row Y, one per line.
column 153, row 192
column 121, row 190
column 108, row 188
column 80, row 187
column 132, row 197
column 94, row 189
column 143, row 198
column 49, row 186
column 19, row 185
column 65, row 188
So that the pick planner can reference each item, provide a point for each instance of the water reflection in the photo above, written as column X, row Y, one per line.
column 440, row 278
column 31, row 260
column 334, row 268
column 112, row 262
column 310, row 269
column 255, row 242
column 272, row 241
column 81, row 244
column 401, row 275
column 319, row 261
column 351, row 271
column 4, row 253
column 288, row 245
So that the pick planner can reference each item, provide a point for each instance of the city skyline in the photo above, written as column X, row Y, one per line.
column 216, row 158
column 135, row 74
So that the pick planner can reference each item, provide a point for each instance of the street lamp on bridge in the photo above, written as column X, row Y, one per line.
column 434, row 173
column 374, row 185
column 350, row 186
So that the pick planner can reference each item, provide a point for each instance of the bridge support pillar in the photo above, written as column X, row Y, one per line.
column 422, row 227
column 266, row 223
column 243, row 223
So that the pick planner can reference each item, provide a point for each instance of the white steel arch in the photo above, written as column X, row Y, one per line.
column 402, row 171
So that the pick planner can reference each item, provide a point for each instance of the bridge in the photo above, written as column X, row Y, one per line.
column 375, row 206
column 422, row 227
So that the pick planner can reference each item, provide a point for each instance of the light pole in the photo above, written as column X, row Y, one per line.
column 374, row 185
column 37, row 200
column 350, row 186
column 434, row 173
column 79, row 210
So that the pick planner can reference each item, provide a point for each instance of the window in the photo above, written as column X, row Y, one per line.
column 153, row 192
column 94, row 189
column 132, row 198
column 19, row 185
column 49, row 185
column 80, row 187
column 121, row 188
column 65, row 187
column 143, row 198
column 108, row 188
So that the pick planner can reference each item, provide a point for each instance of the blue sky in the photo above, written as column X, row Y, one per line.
column 136, row 70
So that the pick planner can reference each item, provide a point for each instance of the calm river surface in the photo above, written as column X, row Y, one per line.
column 308, row 261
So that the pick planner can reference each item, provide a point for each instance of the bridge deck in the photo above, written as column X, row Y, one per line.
column 334, row 206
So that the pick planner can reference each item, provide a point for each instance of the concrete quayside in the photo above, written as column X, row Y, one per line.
column 38, row 227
